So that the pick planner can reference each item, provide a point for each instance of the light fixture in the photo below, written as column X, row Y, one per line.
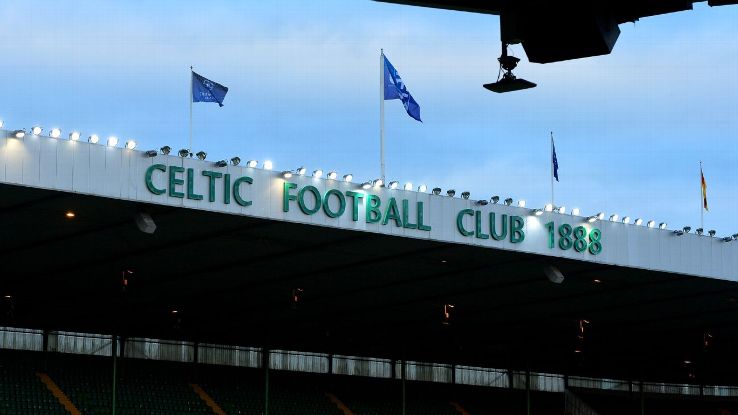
column 74, row 136
column 699, row 231
column 70, row 214
column 601, row 215
column 436, row 190
column 301, row 171
column 408, row 186
column 112, row 141
column 185, row 152
column 651, row 223
column 422, row 188
column 332, row 175
column 378, row 183
column 482, row 202
column 318, row 173
column 727, row 239
column 165, row 150
column 494, row 199
column 394, row 184
column 450, row 193
column 638, row 221
column 130, row 144
column 508, row 201
column 221, row 163
column 592, row 219
column 286, row 174
column 735, row 236
column 366, row 185
column 2, row 123
column 686, row 229
column 267, row 165
column 678, row 232
column 94, row 139
column 19, row 133
column 561, row 210
column 521, row 203
column 575, row 212
column 447, row 314
column 236, row 161
column 548, row 207
column 711, row 232
column 465, row 195
column 614, row 217
column 626, row 219
column 151, row 153
column 508, row 82
column 348, row 177
column 662, row 225
column 36, row 130
column 553, row 274
column 201, row 155
column 145, row 223
column 538, row 212
column 55, row 133
column 252, row 163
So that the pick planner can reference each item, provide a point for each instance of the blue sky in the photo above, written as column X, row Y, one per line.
column 630, row 127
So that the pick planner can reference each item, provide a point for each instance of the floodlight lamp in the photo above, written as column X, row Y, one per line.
column 662, row 225
column 19, row 133
column 318, row 173
column 74, row 136
column 735, row 236
column 678, row 232
column 626, row 219
column 332, row 175
column 236, row 161
column 538, row 212
column 221, row 163
column 553, row 274
column 494, row 199
column 727, row 239
column 286, row 174
column 482, row 202
column 521, row 203
column 465, row 195
column 2, row 123
column 601, row 215
column 378, row 183
column 436, row 190
column 575, row 212
column 561, row 210
column 548, row 207
column 508, row 201
column 165, row 150
column 614, row 217
column 651, row 223
column 509, row 82
column 686, row 229
column 252, row 163
column 36, row 130
column 112, row 141
column 201, row 155
column 366, row 185
column 185, row 152
column 55, row 133
column 348, row 177
column 638, row 221
column 450, row 193
column 711, row 232
column 422, row 188
column 130, row 144
column 301, row 171
column 408, row 186
column 94, row 139
column 699, row 231
column 151, row 153
column 267, row 165
column 592, row 219
column 394, row 184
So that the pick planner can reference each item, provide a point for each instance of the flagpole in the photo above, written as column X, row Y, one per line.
column 381, row 113
column 702, row 199
column 552, row 170
column 190, row 142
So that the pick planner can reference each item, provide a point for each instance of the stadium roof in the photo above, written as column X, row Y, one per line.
column 650, row 298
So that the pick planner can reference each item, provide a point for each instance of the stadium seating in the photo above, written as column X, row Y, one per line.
column 617, row 403
column 21, row 392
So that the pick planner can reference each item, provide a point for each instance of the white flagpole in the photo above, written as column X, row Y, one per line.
column 702, row 200
column 190, row 142
column 381, row 113
column 552, row 170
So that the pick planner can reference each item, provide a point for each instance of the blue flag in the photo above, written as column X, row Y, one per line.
column 205, row 90
column 394, row 88
column 554, row 162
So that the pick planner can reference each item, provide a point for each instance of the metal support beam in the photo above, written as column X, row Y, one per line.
column 527, row 392
column 402, row 374
column 265, row 365
column 114, row 352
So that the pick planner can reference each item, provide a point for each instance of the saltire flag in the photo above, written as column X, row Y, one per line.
column 394, row 88
column 704, row 189
column 554, row 161
column 205, row 90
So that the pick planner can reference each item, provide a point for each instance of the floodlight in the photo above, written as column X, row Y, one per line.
column 678, row 232
column 408, row 186
column 662, row 225
column 651, row 223
column 465, row 195
column 55, row 133
column 601, row 215
column 561, row 210
column 735, row 236
column 538, row 212
column 614, row 217
column 553, row 274
column 94, row 139
column 301, row 171
column 332, row 175
column 548, row 207
column 394, row 184
column 575, row 212
column 151, row 153
column 482, row 202
column 378, row 183
column 686, row 229
column 19, row 133
column 699, row 231
column 450, row 192
column 422, row 188
column 592, row 219
column 267, row 165
column 74, row 136
column 366, row 185
column 626, row 219
column 727, row 239
column 318, row 173
column 165, row 150
column 286, row 174
column 2, row 123
column 36, row 130
column 236, row 161
column 521, row 203
column 348, row 177
column 252, row 163
column 508, row 201
column 185, row 152
column 112, row 141
column 638, row 221
column 494, row 199
column 130, row 144
column 711, row 232
column 145, row 223
column 436, row 190
column 221, row 163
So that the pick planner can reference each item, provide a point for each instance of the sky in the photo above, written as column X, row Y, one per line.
column 303, row 77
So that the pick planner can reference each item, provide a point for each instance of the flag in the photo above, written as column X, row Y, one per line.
column 704, row 190
column 205, row 90
column 554, row 161
column 394, row 88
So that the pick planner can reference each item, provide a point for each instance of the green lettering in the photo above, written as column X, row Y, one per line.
column 373, row 214
column 211, row 175
column 493, row 227
column 478, row 226
column 421, row 226
column 286, row 197
column 341, row 203
column 150, row 182
column 516, row 229
column 460, row 221
column 356, row 198
column 237, row 190
column 301, row 199
column 174, row 181
column 191, row 186
column 392, row 212
column 406, row 215
column 227, row 189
